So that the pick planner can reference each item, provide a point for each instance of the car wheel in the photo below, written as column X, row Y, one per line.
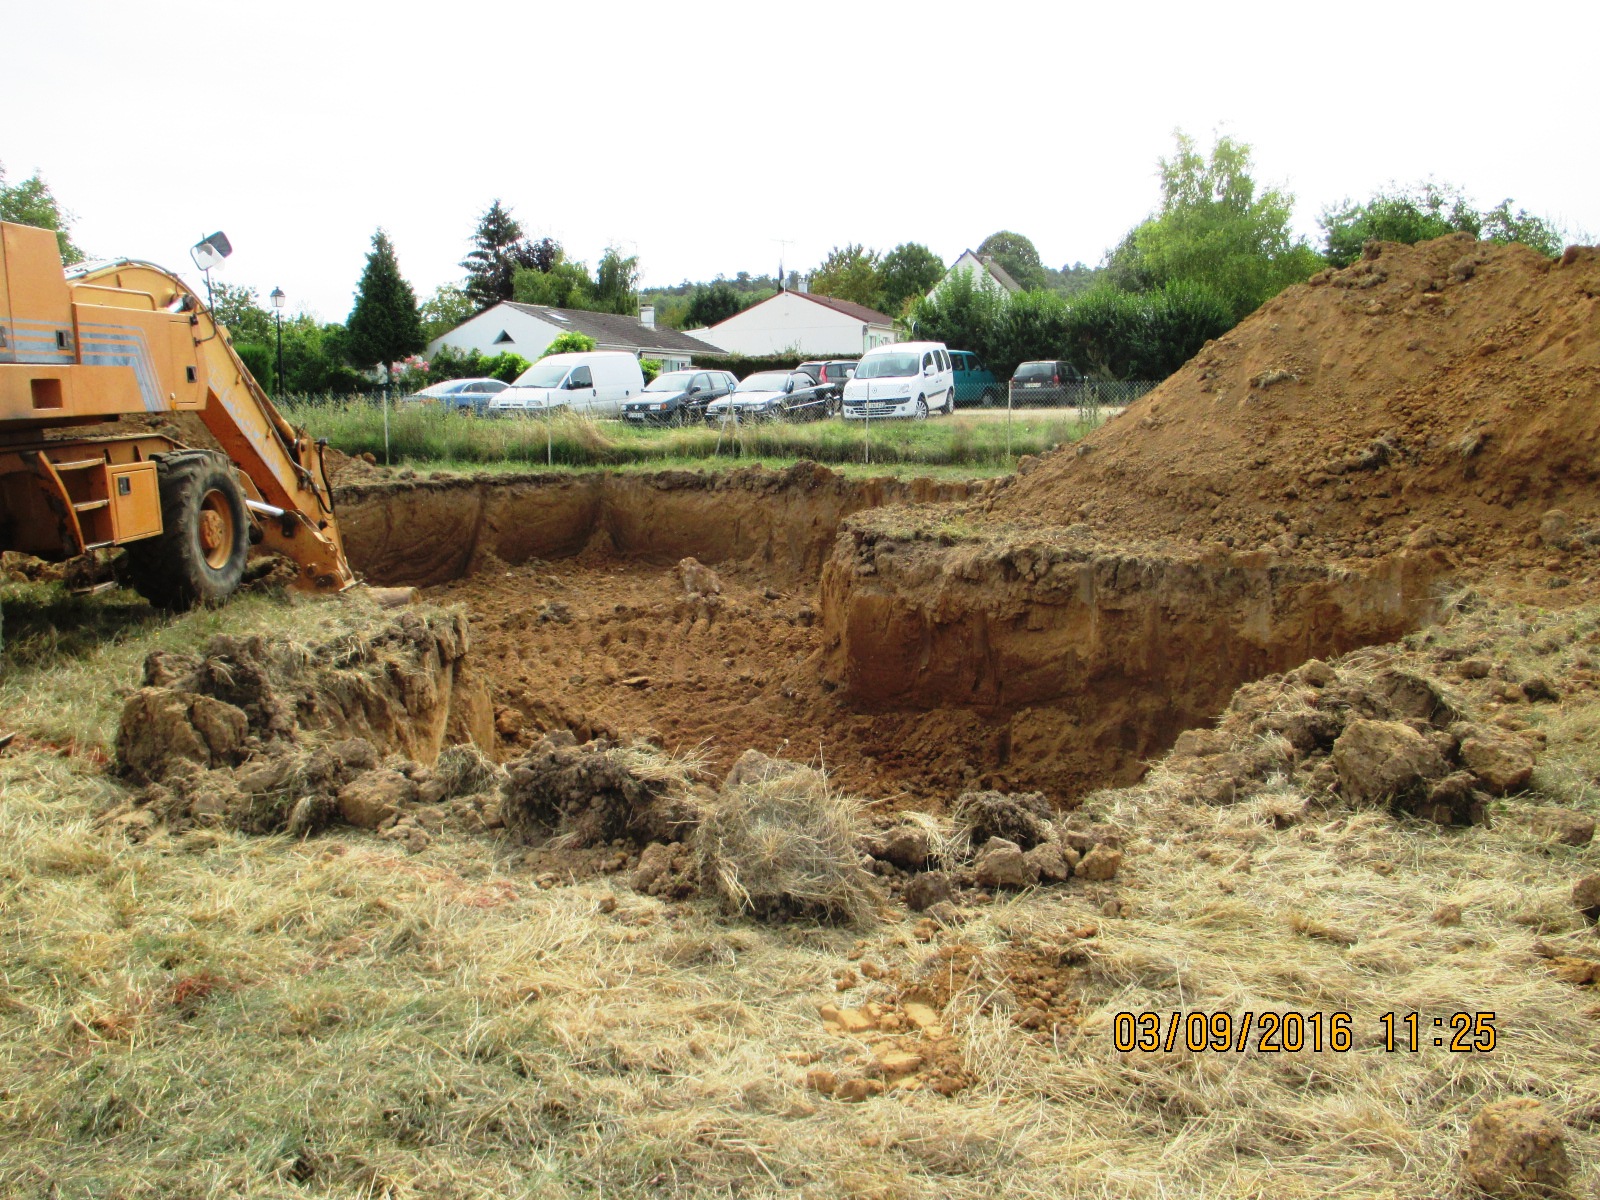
column 833, row 407
column 990, row 398
column 921, row 411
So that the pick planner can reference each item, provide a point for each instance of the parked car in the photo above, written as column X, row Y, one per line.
column 906, row 379
column 596, row 382
column 975, row 383
column 773, row 395
column 678, row 397
column 462, row 395
column 836, row 371
column 1048, row 382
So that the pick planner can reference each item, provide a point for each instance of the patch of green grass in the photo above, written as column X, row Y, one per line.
column 428, row 434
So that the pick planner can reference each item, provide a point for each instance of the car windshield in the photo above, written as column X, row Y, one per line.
column 677, row 381
column 889, row 366
column 764, row 381
column 543, row 375
column 1039, row 370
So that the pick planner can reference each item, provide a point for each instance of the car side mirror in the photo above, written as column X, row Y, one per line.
column 928, row 370
column 695, row 390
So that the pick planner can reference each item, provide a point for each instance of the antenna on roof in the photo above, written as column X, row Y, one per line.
column 783, row 244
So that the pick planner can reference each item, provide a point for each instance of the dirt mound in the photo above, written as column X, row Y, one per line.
column 265, row 735
column 1421, row 733
column 591, row 795
column 1442, row 394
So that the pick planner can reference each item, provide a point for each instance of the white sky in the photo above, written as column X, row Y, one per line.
column 697, row 134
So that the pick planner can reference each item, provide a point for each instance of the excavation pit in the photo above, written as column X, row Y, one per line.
column 879, row 626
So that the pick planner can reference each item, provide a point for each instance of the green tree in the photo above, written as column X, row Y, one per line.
column 441, row 312
column 1500, row 224
column 1076, row 279
column 570, row 342
column 1215, row 229
column 1429, row 210
column 239, row 308
column 850, row 272
column 499, row 250
column 1405, row 215
column 711, row 305
column 31, row 202
column 1017, row 256
column 616, row 281
column 564, row 285
column 908, row 271
column 384, row 325
column 961, row 314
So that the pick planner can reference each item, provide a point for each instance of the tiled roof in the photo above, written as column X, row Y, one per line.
column 848, row 307
column 613, row 329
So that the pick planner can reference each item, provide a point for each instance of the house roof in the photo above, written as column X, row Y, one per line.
column 848, row 307
column 613, row 329
column 1001, row 275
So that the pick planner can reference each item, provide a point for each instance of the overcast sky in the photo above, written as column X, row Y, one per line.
column 697, row 135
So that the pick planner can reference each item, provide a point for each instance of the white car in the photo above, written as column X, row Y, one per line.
column 907, row 379
column 594, row 382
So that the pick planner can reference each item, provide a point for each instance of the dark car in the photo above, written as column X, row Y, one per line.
column 677, row 397
column 1050, row 382
column 775, row 396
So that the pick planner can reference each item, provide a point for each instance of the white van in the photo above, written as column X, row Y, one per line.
column 906, row 379
column 596, row 382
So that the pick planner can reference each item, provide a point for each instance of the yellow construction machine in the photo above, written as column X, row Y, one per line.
column 113, row 341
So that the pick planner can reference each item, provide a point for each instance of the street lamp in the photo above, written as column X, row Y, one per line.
column 277, row 308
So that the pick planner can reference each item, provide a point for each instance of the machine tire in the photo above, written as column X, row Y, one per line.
column 199, row 557
column 920, row 413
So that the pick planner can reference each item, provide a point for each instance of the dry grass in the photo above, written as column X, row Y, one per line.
column 217, row 1015
column 778, row 840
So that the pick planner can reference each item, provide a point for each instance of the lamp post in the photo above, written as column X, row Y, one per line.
column 277, row 309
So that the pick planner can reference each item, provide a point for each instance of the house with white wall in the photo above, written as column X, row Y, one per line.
column 526, row 329
column 985, row 272
column 802, row 323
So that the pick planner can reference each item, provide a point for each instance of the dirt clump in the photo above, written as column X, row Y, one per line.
column 1517, row 1148
column 266, row 736
column 594, row 794
column 1368, row 729
column 1416, row 406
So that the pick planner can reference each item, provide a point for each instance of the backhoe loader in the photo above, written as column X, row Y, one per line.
column 128, row 343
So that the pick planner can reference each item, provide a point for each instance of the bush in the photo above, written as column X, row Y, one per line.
column 258, row 361
column 570, row 342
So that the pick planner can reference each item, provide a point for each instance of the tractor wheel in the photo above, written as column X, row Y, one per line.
column 199, row 556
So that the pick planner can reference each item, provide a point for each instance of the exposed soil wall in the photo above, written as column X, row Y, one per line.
column 1096, row 658
column 424, row 533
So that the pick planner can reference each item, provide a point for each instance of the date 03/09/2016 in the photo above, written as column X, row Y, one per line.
column 1293, row 1032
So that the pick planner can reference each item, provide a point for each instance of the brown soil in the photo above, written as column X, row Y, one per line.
column 1441, row 395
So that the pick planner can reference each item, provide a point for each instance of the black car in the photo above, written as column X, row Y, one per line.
column 677, row 397
column 1049, row 382
column 775, row 396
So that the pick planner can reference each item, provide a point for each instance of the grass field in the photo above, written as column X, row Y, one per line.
column 430, row 435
